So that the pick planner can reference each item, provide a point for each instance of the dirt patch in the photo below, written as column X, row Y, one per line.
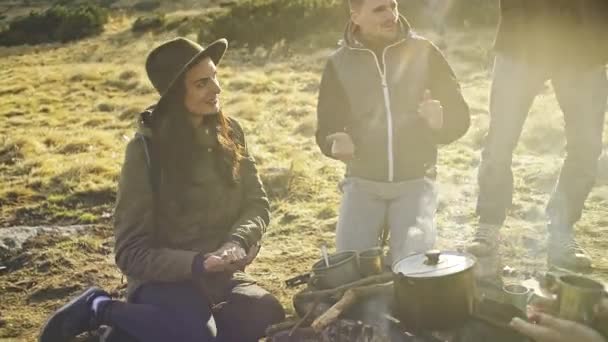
column 73, row 148
column 19, row 245
column 48, row 270
column 9, row 155
column 52, row 293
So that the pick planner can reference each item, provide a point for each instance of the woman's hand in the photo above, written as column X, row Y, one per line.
column 230, row 257
column 214, row 263
column 546, row 328
column 601, row 310
column 601, row 317
column 231, row 252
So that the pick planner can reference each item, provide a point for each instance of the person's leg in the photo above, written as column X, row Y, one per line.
column 361, row 219
column 162, row 312
column 411, row 219
column 514, row 87
column 112, row 334
column 582, row 95
column 246, row 314
column 72, row 319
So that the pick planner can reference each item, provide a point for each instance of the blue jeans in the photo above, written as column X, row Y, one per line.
column 406, row 208
column 582, row 96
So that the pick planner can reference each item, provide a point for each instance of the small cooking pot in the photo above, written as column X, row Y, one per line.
column 343, row 269
column 434, row 290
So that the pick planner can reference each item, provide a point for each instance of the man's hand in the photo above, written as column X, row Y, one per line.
column 550, row 329
column 342, row 146
column 431, row 111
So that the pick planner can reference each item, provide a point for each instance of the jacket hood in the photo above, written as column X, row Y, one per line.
column 350, row 33
column 143, row 121
column 145, row 118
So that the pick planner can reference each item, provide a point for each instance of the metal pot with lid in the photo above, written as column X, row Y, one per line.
column 434, row 290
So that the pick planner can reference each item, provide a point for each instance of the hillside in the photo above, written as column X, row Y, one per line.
column 67, row 112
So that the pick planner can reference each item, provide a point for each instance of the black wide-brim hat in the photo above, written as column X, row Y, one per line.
column 167, row 63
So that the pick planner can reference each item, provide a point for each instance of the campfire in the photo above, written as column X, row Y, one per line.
column 444, row 301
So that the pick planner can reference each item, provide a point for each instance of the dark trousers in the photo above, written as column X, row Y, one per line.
column 166, row 312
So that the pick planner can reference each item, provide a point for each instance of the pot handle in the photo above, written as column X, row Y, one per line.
column 313, row 280
column 298, row 280
column 432, row 257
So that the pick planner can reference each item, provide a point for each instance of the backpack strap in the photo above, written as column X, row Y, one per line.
column 152, row 169
column 151, row 163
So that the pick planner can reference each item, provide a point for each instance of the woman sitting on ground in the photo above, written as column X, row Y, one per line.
column 190, row 214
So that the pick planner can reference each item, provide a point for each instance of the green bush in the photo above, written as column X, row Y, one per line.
column 57, row 24
column 147, row 5
column 200, row 23
column 149, row 23
column 266, row 22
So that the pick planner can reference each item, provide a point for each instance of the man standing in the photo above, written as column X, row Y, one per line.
column 387, row 99
column 564, row 41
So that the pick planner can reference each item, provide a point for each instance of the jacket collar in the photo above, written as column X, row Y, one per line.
column 351, row 40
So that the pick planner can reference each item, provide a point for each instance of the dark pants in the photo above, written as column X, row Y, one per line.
column 166, row 312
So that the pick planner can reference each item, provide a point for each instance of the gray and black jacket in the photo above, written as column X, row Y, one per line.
column 375, row 99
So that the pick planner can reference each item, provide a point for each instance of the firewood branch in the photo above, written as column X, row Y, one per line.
column 350, row 297
column 338, row 292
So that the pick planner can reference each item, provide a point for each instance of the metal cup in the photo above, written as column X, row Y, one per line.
column 577, row 297
column 371, row 261
column 517, row 295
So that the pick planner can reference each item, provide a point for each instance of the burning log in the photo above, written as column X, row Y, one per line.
column 308, row 314
column 338, row 292
column 350, row 297
column 273, row 329
column 317, row 312
column 313, row 311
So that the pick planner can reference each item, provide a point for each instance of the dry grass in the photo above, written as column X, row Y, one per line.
column 66, row 110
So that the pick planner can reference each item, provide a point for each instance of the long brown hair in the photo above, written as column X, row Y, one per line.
column 175, row 144
column 231, row 146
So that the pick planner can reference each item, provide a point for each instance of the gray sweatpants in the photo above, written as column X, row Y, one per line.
column 406, row 208
column 582, row 95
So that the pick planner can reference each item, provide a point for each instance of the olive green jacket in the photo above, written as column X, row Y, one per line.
column 159, row 245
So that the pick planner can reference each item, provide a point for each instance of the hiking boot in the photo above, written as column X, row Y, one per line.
column 563, row 251
column 485, row 240
column 72, row 319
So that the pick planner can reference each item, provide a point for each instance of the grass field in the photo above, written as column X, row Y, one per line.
column 67, row 112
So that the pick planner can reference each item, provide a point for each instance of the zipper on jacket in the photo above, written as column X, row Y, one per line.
column 389, row 118
column 387, row 105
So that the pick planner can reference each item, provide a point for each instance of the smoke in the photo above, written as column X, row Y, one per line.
column 372, row 311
